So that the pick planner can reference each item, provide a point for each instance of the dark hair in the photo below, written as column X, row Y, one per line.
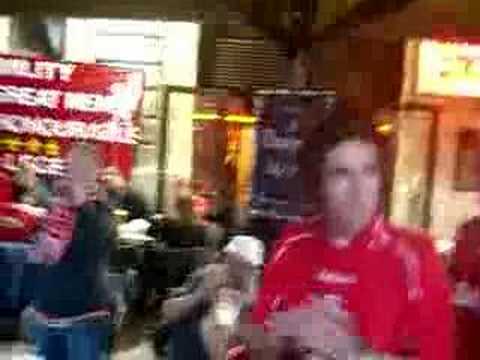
column 339, row 123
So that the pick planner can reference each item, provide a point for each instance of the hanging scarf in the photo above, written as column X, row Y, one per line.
column 57, row 234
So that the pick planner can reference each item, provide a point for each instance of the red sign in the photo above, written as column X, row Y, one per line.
column 46, row 105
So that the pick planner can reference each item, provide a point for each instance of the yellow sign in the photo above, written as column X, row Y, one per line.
column 52, row 148
column 14, row 144
column 448, row 69
column 33, row 146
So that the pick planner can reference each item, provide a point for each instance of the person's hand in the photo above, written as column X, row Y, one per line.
column 227, row 307
column 261, row 345
column 466, row 295
column 215, row 277
column 10, row 222
column 319, row 329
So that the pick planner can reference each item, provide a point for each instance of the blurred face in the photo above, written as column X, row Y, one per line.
column 81, row 180
column 113, row 180
column 350, row 185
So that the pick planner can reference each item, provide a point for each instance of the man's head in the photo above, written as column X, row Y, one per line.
column 184, row 205
column 113, row 180
column 350, row 184
column 244, row 255
column 80, row 184
column 348, row 168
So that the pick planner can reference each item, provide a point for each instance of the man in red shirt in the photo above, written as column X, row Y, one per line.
column 348, row 284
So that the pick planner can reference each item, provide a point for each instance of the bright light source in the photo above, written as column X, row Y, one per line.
column 243, row 119
column 206, row 116
column 448, row 69
column 384, row 129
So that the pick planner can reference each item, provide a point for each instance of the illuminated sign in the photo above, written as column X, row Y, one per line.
column 448, row 69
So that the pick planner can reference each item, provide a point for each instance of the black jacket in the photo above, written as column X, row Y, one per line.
column 78, row 282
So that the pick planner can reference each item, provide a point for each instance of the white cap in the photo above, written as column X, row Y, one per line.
column 249, row 248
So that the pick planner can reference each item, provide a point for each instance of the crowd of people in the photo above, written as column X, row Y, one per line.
column 343, row 284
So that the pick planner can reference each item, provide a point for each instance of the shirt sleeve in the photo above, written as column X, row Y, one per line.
column 269, row 297
column 435, row 317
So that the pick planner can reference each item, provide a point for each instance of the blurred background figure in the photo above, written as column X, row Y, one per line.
column 72, row 284
column 193, row 225
column 122, row 197
column 200, row 318
column 28, row 188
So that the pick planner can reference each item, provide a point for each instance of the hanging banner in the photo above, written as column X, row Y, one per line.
column 277, row 182
column 46, row 105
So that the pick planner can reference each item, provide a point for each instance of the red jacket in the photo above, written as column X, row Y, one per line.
column 390, row 278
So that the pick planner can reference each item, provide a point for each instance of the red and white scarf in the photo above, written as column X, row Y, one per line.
column 57, row 234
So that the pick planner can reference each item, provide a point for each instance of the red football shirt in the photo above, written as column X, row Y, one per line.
column 389, row 278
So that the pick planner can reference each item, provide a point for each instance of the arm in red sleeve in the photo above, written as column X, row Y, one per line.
column 275, row 274
column 436, row 319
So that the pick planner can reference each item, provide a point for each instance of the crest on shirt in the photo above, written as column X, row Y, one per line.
column 336, row 277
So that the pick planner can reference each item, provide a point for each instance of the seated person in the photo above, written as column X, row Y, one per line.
column 188, row 229
column 121, row 196
column 192, row 315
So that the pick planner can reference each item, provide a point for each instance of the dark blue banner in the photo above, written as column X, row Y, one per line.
column 277, row 184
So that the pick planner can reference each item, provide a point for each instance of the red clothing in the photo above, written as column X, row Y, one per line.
column 389, row 278
column 30, row 222
column 466, row 267
column 6, row 188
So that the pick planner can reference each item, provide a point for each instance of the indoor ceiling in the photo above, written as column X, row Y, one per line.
column 322, row 18
column 272, row 15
